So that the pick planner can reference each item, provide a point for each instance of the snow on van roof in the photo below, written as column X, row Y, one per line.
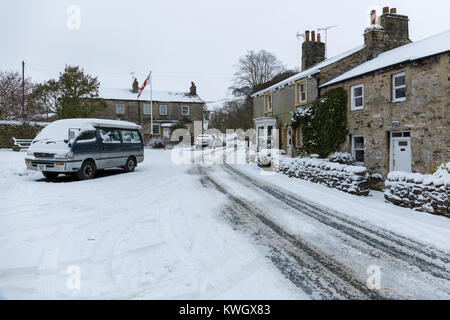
column 58, row 130
column 424, row 48
column 158, row 96
column 308, row 72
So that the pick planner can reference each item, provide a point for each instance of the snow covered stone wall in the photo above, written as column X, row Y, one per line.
column 427, row 193
column 351, row 179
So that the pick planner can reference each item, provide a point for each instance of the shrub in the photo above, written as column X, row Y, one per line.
column 266, row 157
column 343, row 158
column 156, row 143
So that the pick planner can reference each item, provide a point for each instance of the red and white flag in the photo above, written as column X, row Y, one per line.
column 144, row 85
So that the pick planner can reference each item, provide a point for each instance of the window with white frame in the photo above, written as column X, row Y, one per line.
column 163, row 110
column 147, row 109
column 399, row 87
column 184, row 110
column 357, row 97
column 120, row 108
column 358, row 149
column 268, row 103
column 301, row 92
column 156, row 129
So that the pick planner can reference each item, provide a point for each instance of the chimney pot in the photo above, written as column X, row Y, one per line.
column 385, row 10
column 306, row 36
column 313, row 36
column 373, row 17
column 394, row 10
column 318, row 37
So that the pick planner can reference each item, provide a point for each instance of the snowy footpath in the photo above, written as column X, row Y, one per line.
column 202, row 231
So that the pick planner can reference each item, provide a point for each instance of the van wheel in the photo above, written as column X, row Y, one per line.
column 130, row 165
column 50, row 175
column 87, row 170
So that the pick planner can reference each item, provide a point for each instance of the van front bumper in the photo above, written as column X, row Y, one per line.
column 53, row 165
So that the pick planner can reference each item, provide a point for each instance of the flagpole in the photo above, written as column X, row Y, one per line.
column 151, row 103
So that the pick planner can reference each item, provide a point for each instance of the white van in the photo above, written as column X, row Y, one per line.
column 83, row 146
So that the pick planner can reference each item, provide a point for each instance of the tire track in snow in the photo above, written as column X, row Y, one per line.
column 430, row 260
column 316, row 274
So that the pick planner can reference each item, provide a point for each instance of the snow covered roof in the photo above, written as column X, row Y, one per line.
column 308, row 72
column 424, row 48
column 158, row 96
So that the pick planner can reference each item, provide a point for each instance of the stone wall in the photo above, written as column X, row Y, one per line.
column 351, row 179
column 425, row 113
column 425, row 193
column 19, row 131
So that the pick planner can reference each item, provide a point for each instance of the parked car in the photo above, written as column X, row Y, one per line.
column 204, row 141
column 83, row 146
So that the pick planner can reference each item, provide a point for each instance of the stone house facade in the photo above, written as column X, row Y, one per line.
column 401, row 120
column 426, row 84
column 166, row 109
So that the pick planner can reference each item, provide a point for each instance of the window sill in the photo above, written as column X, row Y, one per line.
column 399, row 100
column 356, row 109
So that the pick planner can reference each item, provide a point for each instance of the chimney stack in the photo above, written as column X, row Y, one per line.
column 396, row 28
column 193, row 89
column 392, row 32
column 313, row 52
column 135, row 87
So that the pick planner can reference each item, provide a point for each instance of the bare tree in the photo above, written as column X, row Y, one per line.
column 256, row 69
column 11, row 97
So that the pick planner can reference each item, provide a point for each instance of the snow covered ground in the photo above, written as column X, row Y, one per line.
column 203, row 231
column 151, row 234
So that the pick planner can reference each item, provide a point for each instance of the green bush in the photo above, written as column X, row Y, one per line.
column 24, row 131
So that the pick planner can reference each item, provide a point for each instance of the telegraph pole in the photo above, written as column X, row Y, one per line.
column 23, row 89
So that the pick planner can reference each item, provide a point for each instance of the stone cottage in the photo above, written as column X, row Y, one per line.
column 166, row 109
column 398, row 108
column 427, row 85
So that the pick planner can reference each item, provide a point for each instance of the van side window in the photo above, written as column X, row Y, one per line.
column 130, row 136
column 109, row 135
column 87, row 137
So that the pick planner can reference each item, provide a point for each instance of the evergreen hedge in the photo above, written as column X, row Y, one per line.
column 323, row 122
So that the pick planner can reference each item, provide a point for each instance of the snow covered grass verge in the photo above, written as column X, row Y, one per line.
column 427, row 193
column 351, row 179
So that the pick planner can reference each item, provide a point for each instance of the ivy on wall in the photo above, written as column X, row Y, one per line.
column 323, row 123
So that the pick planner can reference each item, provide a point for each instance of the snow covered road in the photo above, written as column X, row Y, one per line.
column 198, row 231
column 153, row 234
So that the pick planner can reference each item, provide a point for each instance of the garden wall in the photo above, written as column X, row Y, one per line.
column 17, row 129
column 351, row 179
column 427, row 193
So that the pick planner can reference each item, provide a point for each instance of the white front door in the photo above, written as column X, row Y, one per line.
column 289, row 142
column 166, row 133
column 400, row 151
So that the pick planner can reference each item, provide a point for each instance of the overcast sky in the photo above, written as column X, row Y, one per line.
column 183, row 41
